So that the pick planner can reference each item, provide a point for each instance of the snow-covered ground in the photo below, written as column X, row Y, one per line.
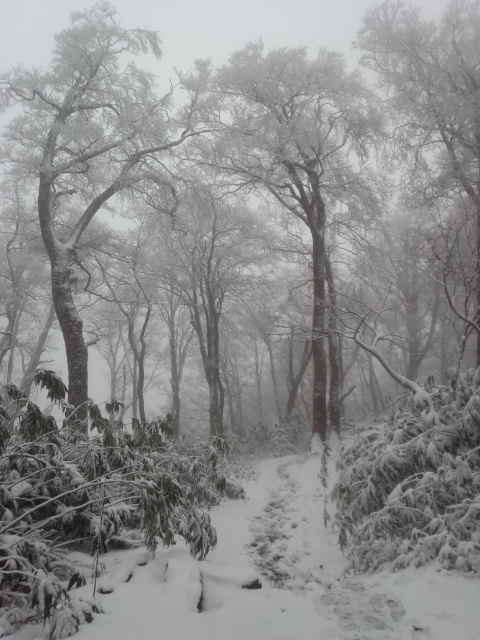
column 277, row 536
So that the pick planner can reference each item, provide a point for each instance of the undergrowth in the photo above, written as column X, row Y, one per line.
column 59, row 487
column 283, row 438
column 409, row 489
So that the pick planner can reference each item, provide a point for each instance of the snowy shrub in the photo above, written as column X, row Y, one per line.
column 70, row 615
column 283, row 438
column 58, row 487
column 409, row 490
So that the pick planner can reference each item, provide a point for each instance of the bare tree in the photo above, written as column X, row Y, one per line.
column 295, row 122
column 95, row 125
column 432, row 75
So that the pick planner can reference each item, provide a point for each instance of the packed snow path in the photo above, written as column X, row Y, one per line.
column 277, row 535
column 292, row 549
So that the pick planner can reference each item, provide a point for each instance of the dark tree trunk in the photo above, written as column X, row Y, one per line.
column 217, row 390
column 334, row 348
column 61, row 258
column 258, row 380
column 113, row 382
column 319, row 408
column 134, row 389
column 139, row 359
column 174, row 383
column 124, row 391
column 295, row 380
column 7, row 341
column 231, row 408
column 71, row 326
column 273, row 372
column 209, row 343
column 477, row 205
column 444, row 364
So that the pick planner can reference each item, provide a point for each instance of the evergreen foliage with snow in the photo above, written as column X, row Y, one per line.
column 409, row 490
column 56, row 487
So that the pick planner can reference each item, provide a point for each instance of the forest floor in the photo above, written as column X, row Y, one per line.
column 276, row 536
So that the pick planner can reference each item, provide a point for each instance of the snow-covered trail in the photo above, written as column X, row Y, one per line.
column 280, row 530
column 276, row 534
column 292, row 550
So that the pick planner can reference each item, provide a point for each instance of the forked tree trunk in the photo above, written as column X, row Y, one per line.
column 61, row 258
column 295, row 380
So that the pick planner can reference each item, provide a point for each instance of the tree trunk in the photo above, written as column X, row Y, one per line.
column 35, row 358
column 477, row 204
column 319, row 408
column 140, row 396
column 333, row 353
column 217, row 401
column 139, row 359
column 174, row 374
column 273, row 372
column 71, row 326
column 231, row 408
column 124, row 391
column 61, row 258
column 445, row 325
column 258, row 380
column 296, row 380
column 7, row 340
column 134, row 389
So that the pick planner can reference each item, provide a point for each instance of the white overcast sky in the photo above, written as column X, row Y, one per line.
column 191, row 29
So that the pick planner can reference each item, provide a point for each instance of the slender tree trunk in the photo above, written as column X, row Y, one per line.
column 477, row 203
column 113, row 382
column 236, row 392
column 139, row 358
column 36, row 356
column 175, row 386
column 7, row 341
column 365, row 386
column 273, row 372
column 11, row 361
column 140, row 385
column 297, row 379
column 333, row 353
column 444, row 350
column 217, row 394
column 124, row 391
column 217, row 401
column 231, row 408
column 258, row 380
column 134, row 389
column 174, row 374
column 319, row 407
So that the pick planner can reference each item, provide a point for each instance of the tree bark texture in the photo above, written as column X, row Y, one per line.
column 334, row 353
column 318, row 335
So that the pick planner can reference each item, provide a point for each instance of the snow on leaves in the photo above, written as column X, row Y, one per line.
column 409, row 491
column 58, row 488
